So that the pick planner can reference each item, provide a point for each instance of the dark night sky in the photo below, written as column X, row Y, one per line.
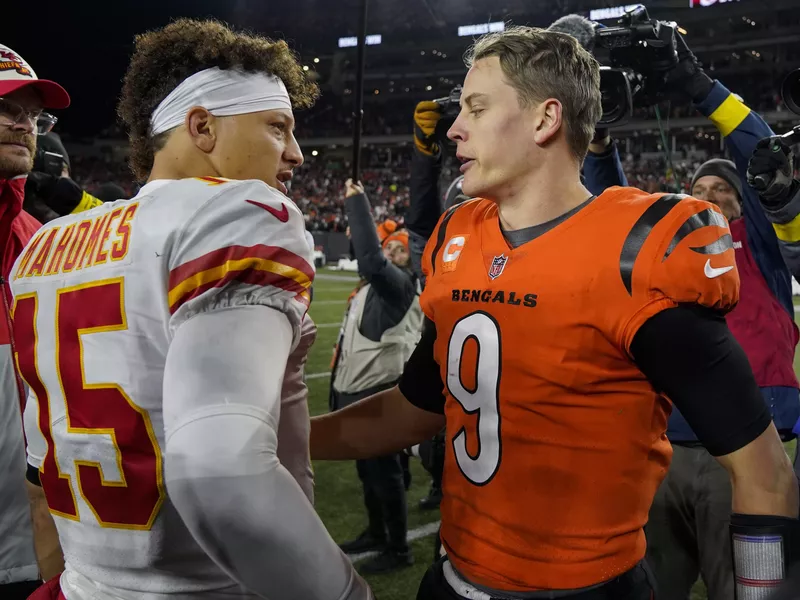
column 85, row 45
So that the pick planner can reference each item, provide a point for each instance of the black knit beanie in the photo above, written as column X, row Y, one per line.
column 724, row 169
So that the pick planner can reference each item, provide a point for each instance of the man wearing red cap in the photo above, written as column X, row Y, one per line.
column 23, row 97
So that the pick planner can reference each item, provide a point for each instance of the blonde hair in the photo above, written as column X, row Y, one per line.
column 543, row 64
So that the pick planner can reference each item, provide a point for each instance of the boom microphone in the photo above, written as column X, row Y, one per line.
column 581, row 28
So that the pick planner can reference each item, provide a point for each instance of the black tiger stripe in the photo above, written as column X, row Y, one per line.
column 441, row 237
column 638, row 235
column 696, row 221
column 723, row 244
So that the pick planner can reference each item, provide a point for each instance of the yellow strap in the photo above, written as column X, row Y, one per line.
column 87, row 201
column 729, row 115
column 788, row 232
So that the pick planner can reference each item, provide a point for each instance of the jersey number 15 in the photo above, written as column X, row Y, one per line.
column 103, row 410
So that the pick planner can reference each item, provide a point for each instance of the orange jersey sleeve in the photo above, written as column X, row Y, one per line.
column 679, row 251
column 441, row 254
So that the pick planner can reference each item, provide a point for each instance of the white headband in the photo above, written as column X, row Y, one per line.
column 222, row 92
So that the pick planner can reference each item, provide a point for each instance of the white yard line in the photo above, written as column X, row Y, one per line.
column 332, row 277
column 326, row 289
column 328, row 302
column 317, row 375
column 327, row 325
column 415, row 534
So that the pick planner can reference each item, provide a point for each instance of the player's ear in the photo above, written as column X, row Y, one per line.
column 548, row 120
column 201, row 126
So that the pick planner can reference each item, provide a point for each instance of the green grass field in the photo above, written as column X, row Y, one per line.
column 338, row 490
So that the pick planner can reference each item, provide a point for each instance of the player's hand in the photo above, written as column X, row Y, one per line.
column 351, row 189
column 770, row 171
column 688, row 77
column 600, row 142
column 426, row 117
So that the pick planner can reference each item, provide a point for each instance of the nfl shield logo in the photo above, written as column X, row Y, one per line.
column 498, row 264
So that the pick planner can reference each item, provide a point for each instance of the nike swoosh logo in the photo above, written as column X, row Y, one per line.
column 282, row 215
column 711, row 272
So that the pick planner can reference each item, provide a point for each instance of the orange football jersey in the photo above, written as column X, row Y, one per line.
column 555, row 439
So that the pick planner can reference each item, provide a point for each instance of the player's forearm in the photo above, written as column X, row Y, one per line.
column 381, row 424
column 762, row 478
column 250, row 516
column 45, row 536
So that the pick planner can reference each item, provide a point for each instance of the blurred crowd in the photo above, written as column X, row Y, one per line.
column 318, row 186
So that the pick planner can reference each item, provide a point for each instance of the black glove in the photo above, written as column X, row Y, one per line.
column 770, row 172
column 426, row 117
column 688, row 76
column 39, row 184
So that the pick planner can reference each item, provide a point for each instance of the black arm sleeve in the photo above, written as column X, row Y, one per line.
column 32, row 475
column 689, row 354
column 425, row 206
column 421, row 382
column 389, row 281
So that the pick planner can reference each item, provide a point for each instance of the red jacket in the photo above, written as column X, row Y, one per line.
column 16, row 226
column 17, row 560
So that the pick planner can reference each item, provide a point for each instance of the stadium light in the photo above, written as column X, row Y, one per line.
column 481, row 28
column 316, row 60
column 352, row 41
column 612, row 12
column 314, row 153
column 707, row 3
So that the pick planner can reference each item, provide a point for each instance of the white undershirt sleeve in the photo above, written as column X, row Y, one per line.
column 222, row 387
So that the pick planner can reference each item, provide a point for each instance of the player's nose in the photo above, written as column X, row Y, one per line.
column 457, row 131
column 292, row 154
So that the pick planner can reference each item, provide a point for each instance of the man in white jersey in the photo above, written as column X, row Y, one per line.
column 159, row 336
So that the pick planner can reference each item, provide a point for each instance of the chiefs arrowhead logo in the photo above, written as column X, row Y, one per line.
column 9, row 61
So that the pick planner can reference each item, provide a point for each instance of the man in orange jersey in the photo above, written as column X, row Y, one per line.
column 557, row 325
column 164, row 337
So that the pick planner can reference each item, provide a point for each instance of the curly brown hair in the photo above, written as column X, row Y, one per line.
column 163, row 58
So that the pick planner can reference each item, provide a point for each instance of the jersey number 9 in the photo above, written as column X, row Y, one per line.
column 483, row 400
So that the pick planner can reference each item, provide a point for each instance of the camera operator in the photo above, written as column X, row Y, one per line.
column 780, row 194
column 49, row 191
column 687, row 532
column 382, row 326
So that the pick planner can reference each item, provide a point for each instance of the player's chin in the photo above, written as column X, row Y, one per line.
column 275, row 183
column 472, row 185
column 13, row 164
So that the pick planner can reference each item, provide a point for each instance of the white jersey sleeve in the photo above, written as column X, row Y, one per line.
column 244, row 246
column 295, row 425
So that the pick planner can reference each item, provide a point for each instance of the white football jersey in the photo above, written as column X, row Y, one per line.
column 98, row 297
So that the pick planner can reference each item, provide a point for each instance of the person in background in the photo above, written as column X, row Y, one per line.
column 22, row 99
column 770, row 172
column 380, row 329
column 687, row 533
